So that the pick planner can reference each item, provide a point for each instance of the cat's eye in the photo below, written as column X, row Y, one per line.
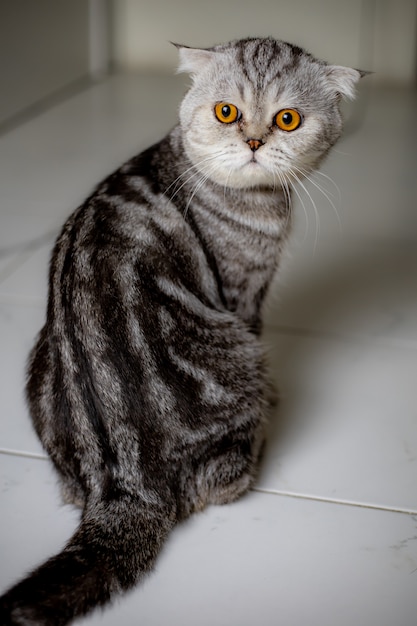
column 288, row 119
column 226, row 113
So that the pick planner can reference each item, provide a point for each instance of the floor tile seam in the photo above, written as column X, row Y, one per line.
column 30, row 245
column 23, row 454
column 58, row 97
column 17, row 255
column 14, row 264
column 360, row 339
column 336, row 501
column 273, row 492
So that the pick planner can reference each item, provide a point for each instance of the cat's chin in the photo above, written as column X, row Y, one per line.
column 251, row 175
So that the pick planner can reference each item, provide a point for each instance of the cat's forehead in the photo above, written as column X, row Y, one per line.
column 266, row 67
column 259, row 69
column 265, row 61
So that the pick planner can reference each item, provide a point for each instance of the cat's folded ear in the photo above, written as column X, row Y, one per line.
column 193, row 60
column 343, row 80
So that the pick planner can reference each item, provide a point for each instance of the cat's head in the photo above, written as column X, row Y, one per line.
column 260, row 111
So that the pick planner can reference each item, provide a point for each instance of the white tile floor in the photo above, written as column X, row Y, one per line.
column 329, row 537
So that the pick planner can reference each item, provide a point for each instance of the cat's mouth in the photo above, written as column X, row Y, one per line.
column 254, row 162
column 254, row 172
column 245, row 171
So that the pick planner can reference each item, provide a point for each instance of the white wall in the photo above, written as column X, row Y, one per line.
column 395, row 39
column 376, row 34
column 44, row 46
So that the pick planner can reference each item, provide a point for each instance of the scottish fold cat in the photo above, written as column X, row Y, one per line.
column 147, row 385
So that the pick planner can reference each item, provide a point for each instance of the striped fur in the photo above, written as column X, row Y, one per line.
column 147, row 385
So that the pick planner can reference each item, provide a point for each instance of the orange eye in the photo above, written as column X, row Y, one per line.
column 226, row 113
column 288, row 119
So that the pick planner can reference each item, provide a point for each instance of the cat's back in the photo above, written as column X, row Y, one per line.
column 129, row 237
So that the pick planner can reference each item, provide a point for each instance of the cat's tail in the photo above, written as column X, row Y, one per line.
column 114, row 547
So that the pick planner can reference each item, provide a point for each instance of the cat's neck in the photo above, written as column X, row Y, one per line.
column 243, row 230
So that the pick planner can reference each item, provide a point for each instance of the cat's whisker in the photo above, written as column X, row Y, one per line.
column 182, row 176
column 195, row 167
column 200, row 183
column 285, row 186
column 329, row 199
column 226, row 185
column 277, row 183
column 316, row 213
column 288, row 188
column 349, row 154
column 178, row 179
column 307, row 175
column 195, row 174
column 339, row 197
column 287, row 191
column 291, row 178
column 337, row 188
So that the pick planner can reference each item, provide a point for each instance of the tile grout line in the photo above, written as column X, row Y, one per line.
column 302, row 496
column 29, row 455
column 16, row 256
column 273, row 492
column 30, row 245
column 50, row 101
column 15, row 263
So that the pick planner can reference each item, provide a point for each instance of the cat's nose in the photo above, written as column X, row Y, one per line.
column 254, row 144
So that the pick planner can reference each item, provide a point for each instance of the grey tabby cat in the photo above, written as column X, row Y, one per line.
column 147, row 385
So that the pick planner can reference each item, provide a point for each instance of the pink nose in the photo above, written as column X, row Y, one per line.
column 254, row 144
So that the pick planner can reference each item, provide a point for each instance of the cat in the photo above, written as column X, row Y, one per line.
column 148, row 386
